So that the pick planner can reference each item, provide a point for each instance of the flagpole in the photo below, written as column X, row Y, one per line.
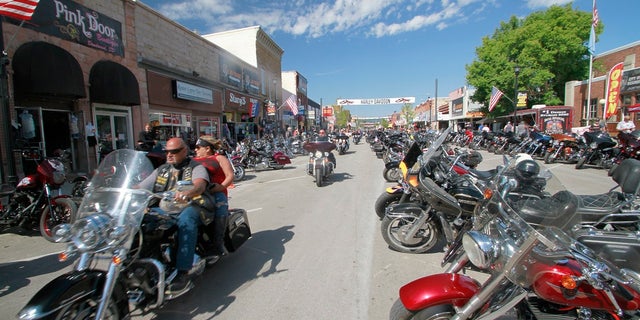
column 10, row 175
column 592, row 48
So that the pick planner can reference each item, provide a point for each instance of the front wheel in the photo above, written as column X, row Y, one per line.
column 392, row 174
column 318, row 174
column 437, row 312
column 63, row 211
column 86, row 309
column 580, row 163
column 395, row 230
column 384, row 200
column 238, row 173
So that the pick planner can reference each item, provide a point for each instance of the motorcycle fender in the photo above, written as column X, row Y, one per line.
column 395, row 189
column 404, row 210
column 443, row 288
column 69, row 288
column 392, row 164
column 281, row 158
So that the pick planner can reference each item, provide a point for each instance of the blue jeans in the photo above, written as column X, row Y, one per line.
column 222, row 204
column 188, row 223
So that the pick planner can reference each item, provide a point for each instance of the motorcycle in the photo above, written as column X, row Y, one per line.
column 319, row 166
column 564, row 148
column 260, row 157
column 537, row 269
column 114, row 224
column 629, row 148
column 37, row 199
column 356, row 136
column 444, row 199
column 599, row 151
column 342, row 143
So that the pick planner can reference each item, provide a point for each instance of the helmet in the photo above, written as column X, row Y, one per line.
column 472, row 159
column 527, row 169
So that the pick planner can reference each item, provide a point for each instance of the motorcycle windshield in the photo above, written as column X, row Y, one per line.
column 113, row 188
column 435, row 145
column 529, row 218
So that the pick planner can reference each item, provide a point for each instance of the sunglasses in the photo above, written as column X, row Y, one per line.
column 174, row 151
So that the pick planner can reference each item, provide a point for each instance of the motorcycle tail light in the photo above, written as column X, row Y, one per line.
column 488, row 193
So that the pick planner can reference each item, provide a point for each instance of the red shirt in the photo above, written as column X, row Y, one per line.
column 216, row 175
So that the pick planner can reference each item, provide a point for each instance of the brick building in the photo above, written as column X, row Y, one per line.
column 87, row 75
column 577, row 91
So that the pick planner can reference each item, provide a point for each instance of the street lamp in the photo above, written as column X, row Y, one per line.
column 516, row 69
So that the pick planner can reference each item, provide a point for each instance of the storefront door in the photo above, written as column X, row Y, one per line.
column 113, row 127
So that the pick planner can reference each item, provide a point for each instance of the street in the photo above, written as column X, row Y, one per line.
column 316, row 253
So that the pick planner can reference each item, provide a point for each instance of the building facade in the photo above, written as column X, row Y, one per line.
column 87, row 75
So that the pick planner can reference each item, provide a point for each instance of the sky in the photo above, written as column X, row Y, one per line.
column 366, row 49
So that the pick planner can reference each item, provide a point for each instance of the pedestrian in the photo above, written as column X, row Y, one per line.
column 626, row 125
column 508, row 128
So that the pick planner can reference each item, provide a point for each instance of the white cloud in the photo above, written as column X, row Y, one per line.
column 537, row 4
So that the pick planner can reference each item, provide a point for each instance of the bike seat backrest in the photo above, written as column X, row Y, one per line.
column 627, row 175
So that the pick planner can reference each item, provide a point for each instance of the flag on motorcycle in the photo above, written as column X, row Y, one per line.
column 292, row 104
column 18, row 9
column 495, row 97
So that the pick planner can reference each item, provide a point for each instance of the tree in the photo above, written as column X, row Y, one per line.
column 407, row 113
column 342, row 116
column 549, row 47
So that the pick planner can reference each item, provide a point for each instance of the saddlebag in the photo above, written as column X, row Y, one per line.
column 238, row 229
column 619, row 247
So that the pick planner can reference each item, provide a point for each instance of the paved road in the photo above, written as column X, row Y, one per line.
column 316, row 253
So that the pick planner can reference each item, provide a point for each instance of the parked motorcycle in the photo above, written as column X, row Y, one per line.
column 444, row 199
column 258, row 156
column 114, row 224
column 629, row 147
column 599, row 151
column 564, row 148
column 37, row 199
column 319, row 166
column 537, row 268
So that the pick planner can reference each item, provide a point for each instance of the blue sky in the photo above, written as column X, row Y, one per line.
column 383, row 48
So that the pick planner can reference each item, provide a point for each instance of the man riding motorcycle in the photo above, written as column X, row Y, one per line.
column 179, row 167
column 322, row 136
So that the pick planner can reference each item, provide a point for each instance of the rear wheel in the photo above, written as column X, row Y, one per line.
column 238, row 173
column 394, row 232
column 63, row 211
column 442, row 311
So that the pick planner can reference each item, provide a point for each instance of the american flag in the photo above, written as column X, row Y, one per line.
column 495, row 96
column 292, row 104
column 18, row 9
column 595, row 19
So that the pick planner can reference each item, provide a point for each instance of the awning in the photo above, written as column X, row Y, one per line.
column 41, row 69
column 112, row 83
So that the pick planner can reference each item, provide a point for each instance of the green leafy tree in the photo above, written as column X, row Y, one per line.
column 407, row 113
column 550, row 48
column 342, row 116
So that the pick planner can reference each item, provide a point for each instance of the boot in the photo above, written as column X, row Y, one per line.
column 219, row 228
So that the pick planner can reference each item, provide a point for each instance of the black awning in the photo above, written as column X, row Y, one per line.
column 113, row 83
column 40, row 68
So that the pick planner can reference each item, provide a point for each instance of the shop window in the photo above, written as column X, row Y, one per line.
column 169, row 124
column 208, row 126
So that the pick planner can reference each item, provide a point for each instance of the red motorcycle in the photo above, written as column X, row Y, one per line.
column 259, row 155
column 537, row 269
column 37, row 200
column 629, row 146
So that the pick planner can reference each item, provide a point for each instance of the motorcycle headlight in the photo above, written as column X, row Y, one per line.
column 310, row 154
column 479, row 248
column 593, row 145
column 117, row 234
column 318, row 154
column 62, row 233
column 91, row 231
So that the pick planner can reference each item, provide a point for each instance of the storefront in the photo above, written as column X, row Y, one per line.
column 241, row 112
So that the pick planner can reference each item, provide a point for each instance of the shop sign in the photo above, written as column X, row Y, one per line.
column 76, row 23
column 554, row 120
column 630, row 81
column 187, row 91
column 236, row 100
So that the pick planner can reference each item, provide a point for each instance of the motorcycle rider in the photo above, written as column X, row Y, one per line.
column 220, row 177
column 180, row 167
column 322, row 136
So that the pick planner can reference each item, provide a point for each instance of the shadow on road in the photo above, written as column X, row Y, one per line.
column 213, row 292
column 15, row 275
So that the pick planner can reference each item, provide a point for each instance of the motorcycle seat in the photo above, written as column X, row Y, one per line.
column 483, row 175
column 593, row 207
column 559, row 210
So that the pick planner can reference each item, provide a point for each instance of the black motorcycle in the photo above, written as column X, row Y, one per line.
column 599, row 150
column 114, row 224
